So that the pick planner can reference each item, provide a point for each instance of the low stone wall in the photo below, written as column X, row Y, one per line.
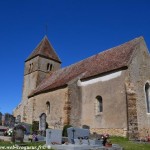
column 114, row 132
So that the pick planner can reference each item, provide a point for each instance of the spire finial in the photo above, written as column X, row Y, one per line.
column 46, row 29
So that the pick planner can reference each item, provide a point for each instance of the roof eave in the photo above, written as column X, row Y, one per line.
column 59, row 61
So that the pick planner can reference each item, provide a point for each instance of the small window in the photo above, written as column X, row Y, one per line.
column 48, row 107
column 31, row 67
column 51, row 67
column 147, row 95
column 48, row 67
column 99, row 104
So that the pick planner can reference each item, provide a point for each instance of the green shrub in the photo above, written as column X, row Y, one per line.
column 64, row 132
column 35, row 126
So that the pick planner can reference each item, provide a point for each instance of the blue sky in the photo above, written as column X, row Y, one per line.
column 77, row 29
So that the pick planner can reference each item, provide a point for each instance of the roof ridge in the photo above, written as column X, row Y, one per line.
column 104, row 51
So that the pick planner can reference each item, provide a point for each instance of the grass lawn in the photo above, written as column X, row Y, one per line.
column 129, row 145
column 28, row 145
column 124, row 142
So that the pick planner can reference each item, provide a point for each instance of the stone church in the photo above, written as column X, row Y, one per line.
column 109, row 92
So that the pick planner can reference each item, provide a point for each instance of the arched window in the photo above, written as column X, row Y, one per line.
column 99, row 103
column 147, row 94
column 49, row 67
column 48, row 107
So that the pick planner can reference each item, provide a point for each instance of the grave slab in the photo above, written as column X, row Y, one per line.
column 84, row 147
column 74, row 133
column 53, row 136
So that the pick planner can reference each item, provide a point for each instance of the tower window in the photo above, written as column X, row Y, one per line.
column 49, row 67
column 99, row 104
column 31, row 67
column 147, row 95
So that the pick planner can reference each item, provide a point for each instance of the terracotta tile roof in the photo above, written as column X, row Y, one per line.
column 109, row 60
column 44, row 49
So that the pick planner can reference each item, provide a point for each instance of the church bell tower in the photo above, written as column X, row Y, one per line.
column 38, row 65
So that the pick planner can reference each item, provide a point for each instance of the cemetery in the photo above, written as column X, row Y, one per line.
column 12, row 130
column 78, row 139
column 56, row 139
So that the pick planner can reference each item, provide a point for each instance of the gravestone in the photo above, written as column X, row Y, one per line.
column 18, row 133
column 53, row 136
column 75, row 133
column 0, row 118
column 85, row 127
column 27, row 126
column 9, row 120
column 18, row 119
column 42, row 124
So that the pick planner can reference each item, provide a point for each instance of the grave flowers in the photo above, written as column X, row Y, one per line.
column 106, row 142
column 10, row 132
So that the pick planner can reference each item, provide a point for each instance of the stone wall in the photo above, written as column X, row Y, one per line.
column 35, row 106
column 74, row 97
column 138, row 75
column 112, row 131
column 57, row 99
column 34, row 72
column 112, row 91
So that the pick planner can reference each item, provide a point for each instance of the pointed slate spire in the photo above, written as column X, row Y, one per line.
column 44, row 49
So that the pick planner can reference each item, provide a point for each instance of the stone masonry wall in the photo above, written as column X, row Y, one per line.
column 74, row 98
column 138, row 75
column 57, row 100
column 112, row 131
column 113, row 118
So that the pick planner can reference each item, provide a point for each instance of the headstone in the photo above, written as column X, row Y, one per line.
column 42, row 124
column 75, row 133
column 18, row 133
column 3, row 120
column 53, row 136
column 86, row 127
column 41, row 138
column 18, row 119
column 27, row 126
column 0, row 118
column 9, row 120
